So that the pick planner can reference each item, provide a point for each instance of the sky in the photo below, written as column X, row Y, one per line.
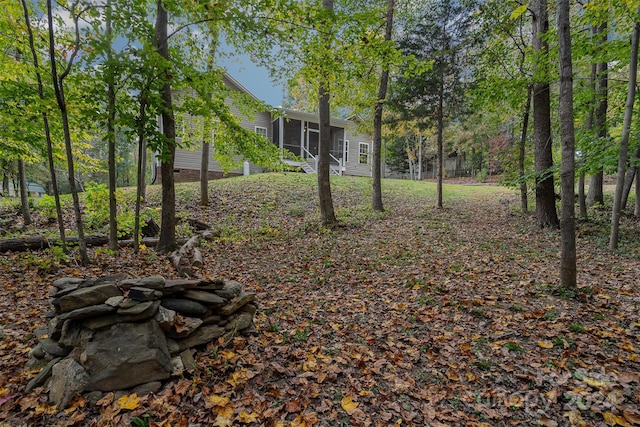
column 255, row 78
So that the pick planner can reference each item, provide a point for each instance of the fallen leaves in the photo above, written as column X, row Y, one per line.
column 348, row 404
column 129, row 402
column 417, row 317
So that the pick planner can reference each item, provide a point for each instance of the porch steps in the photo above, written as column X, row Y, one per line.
column 308, row 166
column 305, row 166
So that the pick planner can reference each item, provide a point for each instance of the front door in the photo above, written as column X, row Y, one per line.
column 313, row 140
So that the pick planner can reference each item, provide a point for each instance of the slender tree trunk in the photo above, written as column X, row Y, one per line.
column 545, row 192
column 111, row 134
column 524, row 199
column 204, row 174
column 567, row 135
column 629, row 179
column 582, row 202
column 58, row 87
column 636, row 211
column 327, row 213
column 47, row 130
column 595, row 195
column 142, row 148
column 440, row 143
column 377, row 118
column 24, row 193
column 204, row 159
column 624, row 141
column 167, row 239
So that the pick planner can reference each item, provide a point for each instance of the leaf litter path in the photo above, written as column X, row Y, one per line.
column 416, row 317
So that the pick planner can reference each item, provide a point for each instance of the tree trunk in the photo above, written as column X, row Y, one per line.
column 567, row 135
column 595, row 195
column 624, row 141
column 636, row 211
column 327, row 213
column 630, row 178
column 582, row 202
column 47, row 130
column 142, row 117
column 204, row 174
column 524, row 199
column 24, row 193
column 167, row 240
column 111, row 134
column 545, row 192
column 58, row 87
column 377, row 118
column 440, row 142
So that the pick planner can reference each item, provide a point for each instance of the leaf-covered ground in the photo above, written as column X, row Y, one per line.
column 416, row 316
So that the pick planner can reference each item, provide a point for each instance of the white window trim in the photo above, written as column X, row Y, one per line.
column 261, row 130
column 346, row 151
column 360, row 153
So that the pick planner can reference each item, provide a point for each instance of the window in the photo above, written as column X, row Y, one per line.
column 363, row 153
column 261, row 131
column 346, row 152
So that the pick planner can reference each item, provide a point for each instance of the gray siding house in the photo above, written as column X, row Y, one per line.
column 295, row 133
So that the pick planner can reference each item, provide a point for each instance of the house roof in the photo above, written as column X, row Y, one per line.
column 312, row 117
column 292, row 114
column 32, row 186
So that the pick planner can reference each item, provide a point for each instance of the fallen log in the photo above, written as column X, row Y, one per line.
column 21, row 244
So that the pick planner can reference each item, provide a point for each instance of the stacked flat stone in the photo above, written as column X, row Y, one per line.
column 116, row 333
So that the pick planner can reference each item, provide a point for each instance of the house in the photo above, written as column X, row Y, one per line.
column 294, row 132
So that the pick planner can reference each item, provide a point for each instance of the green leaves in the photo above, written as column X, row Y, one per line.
column 518, row 12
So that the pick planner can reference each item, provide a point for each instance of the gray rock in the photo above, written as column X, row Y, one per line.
column 205, row 297
column 184, row 306
column 177, row 367
column 55, row 328
column 249, row 308
column 188, row 359
column 241, row 320
column 126, row 355
column 114, row 279
column 211, row 320
column 42, row 376
column 37, row 352
column 153, row 282
column 183, row 327
column 114, row 301
column 231, row 289
column 106, row 321
column 66, row 282
column 237, row 303
column 74, row 335
column 68, row 379
column 139, row 293
column 173, row 347
column 210, row 285
column 202, row 335
column 144, row 389
column 84, row 297
column 127, row 303
column 55, row 292
column 52, row 348
column 94, row 396
column 38, row 364
column 166, row 318
column 136, row 309
column 86, row 312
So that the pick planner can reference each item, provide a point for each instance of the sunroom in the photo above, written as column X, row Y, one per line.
column 298, row 136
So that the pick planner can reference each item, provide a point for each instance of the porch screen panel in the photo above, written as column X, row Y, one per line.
column 336, row 149
column 291, row 139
